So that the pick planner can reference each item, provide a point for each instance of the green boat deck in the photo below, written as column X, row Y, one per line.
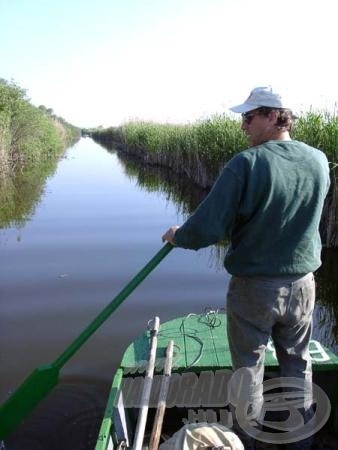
column 201, row 344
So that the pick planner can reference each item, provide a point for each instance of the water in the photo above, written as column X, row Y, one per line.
column 98, row 222
column 93, row 230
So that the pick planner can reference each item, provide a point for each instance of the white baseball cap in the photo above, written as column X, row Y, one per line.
column 261, row 96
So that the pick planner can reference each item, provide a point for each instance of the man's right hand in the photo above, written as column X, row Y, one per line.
column 169, row 235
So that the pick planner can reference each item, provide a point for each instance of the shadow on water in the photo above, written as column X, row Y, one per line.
column 69, row 418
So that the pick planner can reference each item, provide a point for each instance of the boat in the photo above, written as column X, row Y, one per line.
column 201, row 354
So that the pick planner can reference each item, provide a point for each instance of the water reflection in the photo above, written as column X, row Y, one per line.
column 326, row 312
column 177, row 189
column 21, row 190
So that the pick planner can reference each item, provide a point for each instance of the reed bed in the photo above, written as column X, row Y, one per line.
column 200, row 150
column 196, row 150
column 320, row 129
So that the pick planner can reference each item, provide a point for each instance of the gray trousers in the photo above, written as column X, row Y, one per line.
column 281, row 308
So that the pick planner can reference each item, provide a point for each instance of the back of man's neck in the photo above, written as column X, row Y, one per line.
column 280, row 136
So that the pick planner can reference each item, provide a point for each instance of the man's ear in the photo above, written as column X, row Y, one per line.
column 273, row 117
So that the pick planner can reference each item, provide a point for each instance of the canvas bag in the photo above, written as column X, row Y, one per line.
column 198, row 436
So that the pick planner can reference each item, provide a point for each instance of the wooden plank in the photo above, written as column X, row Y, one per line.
column 162, row 401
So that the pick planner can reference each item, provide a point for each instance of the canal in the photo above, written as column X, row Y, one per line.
column 94, row 228
column 98, row 221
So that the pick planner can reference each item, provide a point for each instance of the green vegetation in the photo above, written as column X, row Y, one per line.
column 28, row 133
column 31, row 141
column 320, row 130
column 210, row 142
column 199, row 151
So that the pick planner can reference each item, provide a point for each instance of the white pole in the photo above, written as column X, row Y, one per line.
column 148, row 381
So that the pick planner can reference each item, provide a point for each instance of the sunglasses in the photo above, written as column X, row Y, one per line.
column 247, row 117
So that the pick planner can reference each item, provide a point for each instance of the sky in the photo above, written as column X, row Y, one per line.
column 105, row 62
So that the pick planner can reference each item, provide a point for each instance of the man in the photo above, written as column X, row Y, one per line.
column 268, row 202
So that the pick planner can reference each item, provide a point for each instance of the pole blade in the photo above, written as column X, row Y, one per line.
column 36, row 386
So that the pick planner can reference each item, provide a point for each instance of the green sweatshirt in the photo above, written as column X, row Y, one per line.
column 268, row 202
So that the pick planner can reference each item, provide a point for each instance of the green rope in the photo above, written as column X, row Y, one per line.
column 209, row 318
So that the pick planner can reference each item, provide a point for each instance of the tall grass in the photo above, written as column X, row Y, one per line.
column 196, row 150
column 320, row 129
column 200, row 150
